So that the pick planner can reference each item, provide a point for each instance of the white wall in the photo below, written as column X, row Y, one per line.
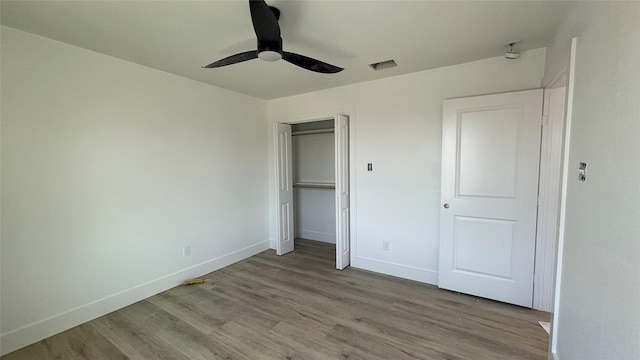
column 599, row 304
column 313, row 158
column 315, row 217
column 108, row 169
column 397, row 126
column 315, row 209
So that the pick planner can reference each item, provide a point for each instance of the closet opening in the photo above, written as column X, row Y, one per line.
column 312, row 171
column 313, row 157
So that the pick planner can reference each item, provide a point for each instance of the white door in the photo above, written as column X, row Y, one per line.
column 343, row 255
column 284, row 181
column 490, row 159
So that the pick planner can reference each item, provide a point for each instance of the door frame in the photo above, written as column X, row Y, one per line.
column 548, row 205
column 569, row 69
column 319, row 116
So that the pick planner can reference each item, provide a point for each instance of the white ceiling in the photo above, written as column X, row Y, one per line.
column 181, row 36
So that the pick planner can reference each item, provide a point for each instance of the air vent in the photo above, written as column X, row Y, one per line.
column 383, row 65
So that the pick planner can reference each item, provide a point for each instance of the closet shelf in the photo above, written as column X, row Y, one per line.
column 314, row 185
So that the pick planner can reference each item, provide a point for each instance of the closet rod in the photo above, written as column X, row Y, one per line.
column 314, row 186
column 312, row 132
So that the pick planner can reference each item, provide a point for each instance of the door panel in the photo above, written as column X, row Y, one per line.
column 284, row 180
column 490, row 158
column 476, row 239
column 488, row 140
column 343, row 245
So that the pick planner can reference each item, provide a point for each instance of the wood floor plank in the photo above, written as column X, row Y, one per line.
column 136, row 342
column 309, row 343
column 80, row 342
column 205, row 318
column 298, row 306
column 177, row 333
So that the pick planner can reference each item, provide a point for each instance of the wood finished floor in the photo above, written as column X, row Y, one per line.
column 298, row 307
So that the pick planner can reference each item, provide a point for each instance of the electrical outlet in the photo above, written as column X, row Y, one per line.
column 186, row 250
column 386, row 245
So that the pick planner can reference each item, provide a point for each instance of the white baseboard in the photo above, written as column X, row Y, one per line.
column 29, row 334
column 403, row 271
column 317, row 236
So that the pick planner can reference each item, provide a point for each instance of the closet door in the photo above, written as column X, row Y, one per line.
column 343, row 246
column 284, row 180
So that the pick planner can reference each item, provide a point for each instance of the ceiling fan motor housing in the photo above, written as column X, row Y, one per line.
column 270, row 50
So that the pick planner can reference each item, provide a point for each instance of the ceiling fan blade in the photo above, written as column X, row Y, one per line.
column 310, row 64
column 265, row 22
column 233, row 59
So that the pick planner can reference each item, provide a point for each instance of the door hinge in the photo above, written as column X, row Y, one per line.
column 545, row 120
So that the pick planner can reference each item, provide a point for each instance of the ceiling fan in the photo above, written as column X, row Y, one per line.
column 265, row 23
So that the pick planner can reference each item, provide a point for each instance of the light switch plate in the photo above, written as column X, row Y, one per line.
column 582, row 172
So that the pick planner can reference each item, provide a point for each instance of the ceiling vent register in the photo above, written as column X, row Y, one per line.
column 387, row 64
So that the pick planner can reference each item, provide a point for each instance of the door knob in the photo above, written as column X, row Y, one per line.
column 446, row 206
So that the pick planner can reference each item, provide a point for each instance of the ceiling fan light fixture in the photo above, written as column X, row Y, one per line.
column 268, row 55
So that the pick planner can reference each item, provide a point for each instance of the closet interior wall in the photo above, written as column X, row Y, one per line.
column 313, row 155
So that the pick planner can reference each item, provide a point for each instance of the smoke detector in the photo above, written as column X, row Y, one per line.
column 510, row 54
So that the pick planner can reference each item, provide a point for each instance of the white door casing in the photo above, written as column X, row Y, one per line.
column 343, row 254
column 549, row 196
column 553, row 344
column 284, row 182
column 490, row 164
